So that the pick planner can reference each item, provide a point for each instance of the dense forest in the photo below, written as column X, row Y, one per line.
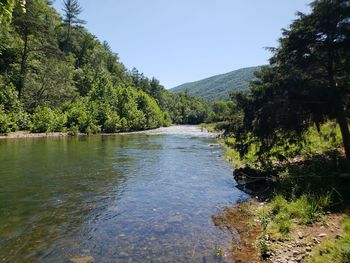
column 56, row 76
column 219, row 87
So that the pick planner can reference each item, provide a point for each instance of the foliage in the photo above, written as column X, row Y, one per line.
column 6, row 9
column 53, row 69
column 315, row 141
column 185, row 109
column 279, row 215
column 22, row 120
column 9, row 97
column 221, row 111
column 47, row 120
column 219, row 87
column 5, row 121
column 306, row 84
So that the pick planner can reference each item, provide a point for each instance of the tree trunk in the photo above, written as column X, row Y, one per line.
column 340, row 110
column 20, row 86
column 344, row 128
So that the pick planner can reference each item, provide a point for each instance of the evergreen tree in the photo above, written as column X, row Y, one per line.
column 307, row 82
column 71, row 11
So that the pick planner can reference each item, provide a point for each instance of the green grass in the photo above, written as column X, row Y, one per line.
column 313, row 181
column 334, row 251
column 210, row 127
column 213, row 126
column 314, row 142
column 279, row 216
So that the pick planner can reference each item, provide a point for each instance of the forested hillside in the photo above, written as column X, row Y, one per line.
column 56, row 76
column 219, row 87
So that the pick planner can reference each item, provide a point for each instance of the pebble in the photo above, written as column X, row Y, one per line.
column 322, row 235
column 123, row 254
column 300, row 235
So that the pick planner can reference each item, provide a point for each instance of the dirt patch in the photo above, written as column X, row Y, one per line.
column 240, row 222
column 304, row 239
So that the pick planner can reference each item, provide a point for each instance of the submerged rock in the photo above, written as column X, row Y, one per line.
column 87, row 259
column 175, row 219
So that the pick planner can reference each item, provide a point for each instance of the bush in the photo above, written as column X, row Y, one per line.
column 47, row 120
column 60, row 122
column 5, row 121
column 78, row 116
column 9, row 97
column 22, row 120
column 113, row 123
column 73, row 130
column 93, row 129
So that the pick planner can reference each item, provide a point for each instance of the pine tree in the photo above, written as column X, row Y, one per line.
column 71, row 10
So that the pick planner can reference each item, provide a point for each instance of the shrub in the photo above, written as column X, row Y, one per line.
column 5, row 121
column 78, row 116
column 44, row 120
column 113, row 123
column 93, row 128
column 60, row 122
column 73, row 130
column 22, row 120
column 9, row 97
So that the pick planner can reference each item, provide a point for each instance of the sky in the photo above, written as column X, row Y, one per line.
column 179, row 41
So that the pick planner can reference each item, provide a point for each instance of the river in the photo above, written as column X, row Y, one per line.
column 144, row 197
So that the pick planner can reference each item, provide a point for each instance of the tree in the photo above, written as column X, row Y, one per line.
column 32, row 26
column 307, row 81
column 71, row 11
column 51, row 84
column 6, row 9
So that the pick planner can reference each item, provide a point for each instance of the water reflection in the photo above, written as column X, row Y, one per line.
column 145, row 197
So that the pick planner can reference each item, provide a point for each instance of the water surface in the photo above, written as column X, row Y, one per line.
column 145, row 197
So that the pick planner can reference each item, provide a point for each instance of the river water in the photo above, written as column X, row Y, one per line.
column 145, row 197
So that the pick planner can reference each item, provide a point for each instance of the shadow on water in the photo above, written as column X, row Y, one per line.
column 145, row 197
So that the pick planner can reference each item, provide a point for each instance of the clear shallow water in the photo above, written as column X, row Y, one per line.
column 145, row 197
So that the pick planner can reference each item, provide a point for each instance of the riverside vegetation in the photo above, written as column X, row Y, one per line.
column 289, row 140
column 288, row 136
column 56, row 76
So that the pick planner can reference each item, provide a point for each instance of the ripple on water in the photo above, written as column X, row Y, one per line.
column 144, row 197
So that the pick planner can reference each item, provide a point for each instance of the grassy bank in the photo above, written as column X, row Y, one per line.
column 304, row 216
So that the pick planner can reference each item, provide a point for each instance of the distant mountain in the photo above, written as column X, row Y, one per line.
column 219, row 86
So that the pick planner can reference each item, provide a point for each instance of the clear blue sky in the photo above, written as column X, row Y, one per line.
column 179, row 41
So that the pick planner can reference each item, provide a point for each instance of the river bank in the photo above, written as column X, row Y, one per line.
column 303, row 244
column 28, row 134
column 309, row 228
column 299, row 211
